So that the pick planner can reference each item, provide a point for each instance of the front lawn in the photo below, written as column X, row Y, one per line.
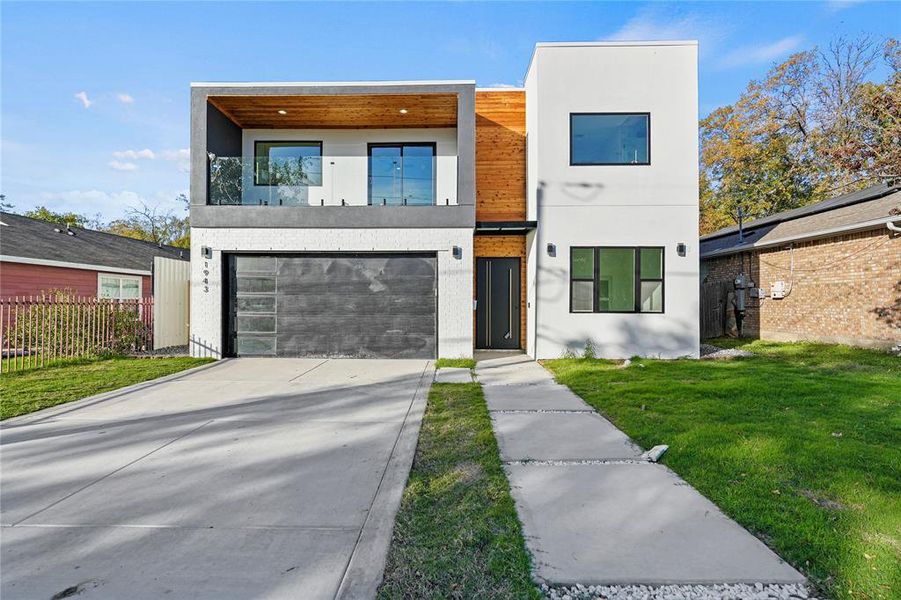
column 456, row 534
column 22, row 392
column 801, row 444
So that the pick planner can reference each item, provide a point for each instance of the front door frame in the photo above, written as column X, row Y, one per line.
column 483, row 339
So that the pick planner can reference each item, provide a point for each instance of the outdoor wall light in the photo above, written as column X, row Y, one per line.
column 403, row 111
column 681, row 249
column 552, row 249
column 458, row 252
column 206, row 252
column 282, row 112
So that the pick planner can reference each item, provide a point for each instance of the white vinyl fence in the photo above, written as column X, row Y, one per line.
column 171, row 296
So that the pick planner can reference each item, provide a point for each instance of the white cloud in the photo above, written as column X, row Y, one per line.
column 122, row 166
column 180, row 154
column 135, row 154
column 83, row 98
column 662, row 23
column 125, row 98
column 837, row 5
column 652, row 25
column 91, row 202
column 758, row 54
column 503, row 86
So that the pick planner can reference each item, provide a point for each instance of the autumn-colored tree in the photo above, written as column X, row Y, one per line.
column 153, row 225
column 813, row 126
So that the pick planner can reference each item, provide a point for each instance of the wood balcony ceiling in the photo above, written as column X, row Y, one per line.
column 363, row 111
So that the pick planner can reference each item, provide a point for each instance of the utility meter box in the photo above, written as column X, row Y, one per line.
column 777, row 291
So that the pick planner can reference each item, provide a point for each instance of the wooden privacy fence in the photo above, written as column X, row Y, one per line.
column 36, row 330
column 713, row 309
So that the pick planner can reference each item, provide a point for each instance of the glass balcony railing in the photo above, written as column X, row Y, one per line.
column 238, row 181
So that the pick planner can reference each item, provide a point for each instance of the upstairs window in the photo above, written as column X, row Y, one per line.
column 610, row 139
column 287, row 163
column 402, row 173
column 616, row 279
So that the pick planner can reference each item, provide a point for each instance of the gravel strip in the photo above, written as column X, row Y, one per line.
column 709, row 351
column 727, row 591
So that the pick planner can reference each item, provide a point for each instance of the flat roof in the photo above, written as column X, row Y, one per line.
column 386, row 83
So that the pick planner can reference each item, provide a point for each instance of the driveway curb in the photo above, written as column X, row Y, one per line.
column 366, row 566
column 53, row 411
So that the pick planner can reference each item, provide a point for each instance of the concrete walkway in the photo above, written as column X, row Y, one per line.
column 252, row 478
column 593, row 512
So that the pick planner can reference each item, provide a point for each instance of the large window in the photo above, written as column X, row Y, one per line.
column 287, row 163
column 616, row 279
column 610, row 139
column 118, row 287
column 402, row 174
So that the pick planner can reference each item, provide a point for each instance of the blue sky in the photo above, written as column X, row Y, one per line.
column 95, row 95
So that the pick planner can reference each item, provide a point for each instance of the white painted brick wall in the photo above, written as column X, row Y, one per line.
column 455, row 277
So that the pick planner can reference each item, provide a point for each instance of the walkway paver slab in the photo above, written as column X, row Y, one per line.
column 517, row 369
column 560, row 436
column 116, row 562
column 544, row 396
column 633, row 523
column 453, row 375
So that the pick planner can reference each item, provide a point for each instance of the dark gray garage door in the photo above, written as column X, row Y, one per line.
column 361, row 306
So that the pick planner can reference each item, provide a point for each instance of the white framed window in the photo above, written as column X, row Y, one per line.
column 118, row 287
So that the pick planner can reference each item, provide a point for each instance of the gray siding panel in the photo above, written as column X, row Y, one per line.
column 363, row 306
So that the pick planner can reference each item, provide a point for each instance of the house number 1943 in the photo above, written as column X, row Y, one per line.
column 206, row 272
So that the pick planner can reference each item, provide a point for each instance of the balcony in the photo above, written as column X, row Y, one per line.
column 396, row 154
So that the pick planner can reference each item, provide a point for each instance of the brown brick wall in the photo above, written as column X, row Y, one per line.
column 843, row 289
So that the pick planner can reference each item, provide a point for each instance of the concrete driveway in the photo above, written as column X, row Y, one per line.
column 263, row 478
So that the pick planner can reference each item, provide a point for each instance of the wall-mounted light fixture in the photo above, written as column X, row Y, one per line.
column 458, row 252
column 552, row 249
column 206, row 252
column 681, row 249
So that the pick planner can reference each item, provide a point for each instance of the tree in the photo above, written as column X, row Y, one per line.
column 813, row 126
column 72, row 219
column 153, row 225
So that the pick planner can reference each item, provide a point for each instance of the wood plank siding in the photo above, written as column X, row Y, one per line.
column 502, row 246
column 501, row 156
column 19, row 279
column 358, row 111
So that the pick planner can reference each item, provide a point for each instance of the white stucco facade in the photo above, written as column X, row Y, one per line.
column 345, row 162
column 613, row 205
column 455, row 278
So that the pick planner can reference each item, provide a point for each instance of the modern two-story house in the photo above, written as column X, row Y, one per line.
column 412, row 219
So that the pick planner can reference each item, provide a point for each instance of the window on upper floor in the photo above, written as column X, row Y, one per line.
column 402, row 173
column 118, row 287
column 610, row 139
column 616, row 279
column 287, row 163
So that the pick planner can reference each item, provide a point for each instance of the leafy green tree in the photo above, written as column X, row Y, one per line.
column 73, row 219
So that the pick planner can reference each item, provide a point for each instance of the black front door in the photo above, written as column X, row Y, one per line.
column 497, row 303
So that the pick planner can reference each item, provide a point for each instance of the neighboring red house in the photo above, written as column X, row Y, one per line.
column 38, row 256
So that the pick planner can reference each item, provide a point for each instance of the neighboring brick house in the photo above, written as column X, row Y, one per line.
column 38, row 256
column 827, row 272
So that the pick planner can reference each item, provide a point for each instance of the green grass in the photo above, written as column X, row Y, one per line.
column 462, row 363
column 22, row 392
column 456, row 534
column 801, row 444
